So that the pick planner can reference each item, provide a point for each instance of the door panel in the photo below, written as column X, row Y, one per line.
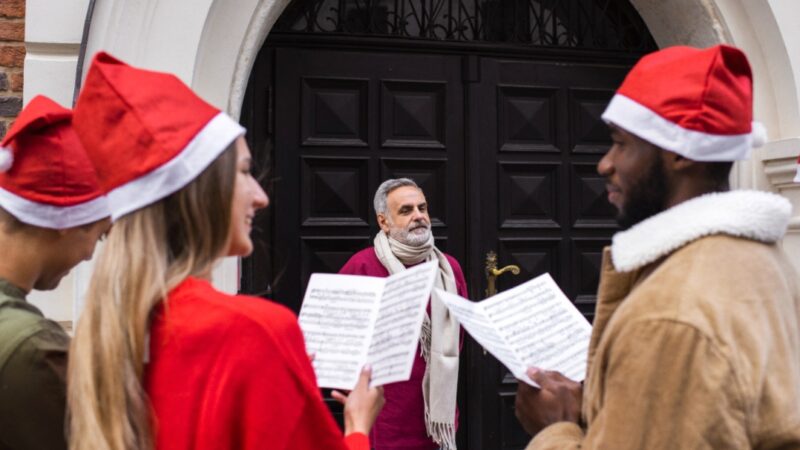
column 542, row 205
column 347, row 121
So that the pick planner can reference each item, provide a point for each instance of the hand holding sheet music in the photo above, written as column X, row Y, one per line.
column 351, row 320
column 533, row 324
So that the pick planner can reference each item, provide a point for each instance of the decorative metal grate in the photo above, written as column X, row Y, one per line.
column 585, row 24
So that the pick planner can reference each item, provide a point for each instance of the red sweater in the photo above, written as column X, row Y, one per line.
column 231, row 372
column 401, row 423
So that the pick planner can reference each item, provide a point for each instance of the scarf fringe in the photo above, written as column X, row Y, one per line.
column 444, row 434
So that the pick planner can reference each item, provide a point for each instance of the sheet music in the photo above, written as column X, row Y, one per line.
column 537, row 324
column 399, row 323
column 349, row 320
column 474, row 319
column 337, row 319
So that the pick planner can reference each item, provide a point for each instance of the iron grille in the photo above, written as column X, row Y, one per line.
column 583, row 24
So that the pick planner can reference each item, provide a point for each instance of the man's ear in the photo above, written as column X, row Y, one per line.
column 677, row 163
column 383, row 223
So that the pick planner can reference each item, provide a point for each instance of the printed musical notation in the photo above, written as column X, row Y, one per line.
column 533, row 324
column 350, row 320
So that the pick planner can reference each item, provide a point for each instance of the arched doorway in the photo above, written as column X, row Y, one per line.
column 492, row 106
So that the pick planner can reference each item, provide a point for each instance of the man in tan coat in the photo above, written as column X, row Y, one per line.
column 696, row 340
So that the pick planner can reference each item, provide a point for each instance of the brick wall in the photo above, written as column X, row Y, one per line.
column 12, row 56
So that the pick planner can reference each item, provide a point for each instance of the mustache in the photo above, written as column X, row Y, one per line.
column 418, row 224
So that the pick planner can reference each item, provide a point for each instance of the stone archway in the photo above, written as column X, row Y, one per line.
column 217, row 41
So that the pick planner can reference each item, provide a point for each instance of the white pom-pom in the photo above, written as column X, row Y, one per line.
column 6, row 159
column 758, row 134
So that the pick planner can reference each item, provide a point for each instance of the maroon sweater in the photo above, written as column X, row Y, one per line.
column 401, row 423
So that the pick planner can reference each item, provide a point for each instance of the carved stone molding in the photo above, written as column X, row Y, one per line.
column 780, row 164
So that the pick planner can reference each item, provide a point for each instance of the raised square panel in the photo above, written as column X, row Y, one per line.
column 328, row 254
column 412, row 114
column 587, row 260
column 334, row 112
column 334, row 192
column 589, row 132
column 526, row 119
column 430, row 174
column 527, row 195
column 533, row 256
column 589, row 204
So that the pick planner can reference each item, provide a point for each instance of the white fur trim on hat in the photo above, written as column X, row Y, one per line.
column 201, row 151
column 756, row 215
column 759, row 134
column 6, row 159
column 51, row 216
column 695, row 145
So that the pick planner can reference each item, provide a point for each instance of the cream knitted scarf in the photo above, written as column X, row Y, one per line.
column 438, row 340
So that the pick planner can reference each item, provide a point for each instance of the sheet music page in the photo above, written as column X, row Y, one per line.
column 542, row 327
column 473, row 318
column 337, row 318
column 399, row 323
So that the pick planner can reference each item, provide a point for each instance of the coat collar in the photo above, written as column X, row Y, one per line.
column 755, row 215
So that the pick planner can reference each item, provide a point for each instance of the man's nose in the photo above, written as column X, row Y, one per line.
column 606, row 167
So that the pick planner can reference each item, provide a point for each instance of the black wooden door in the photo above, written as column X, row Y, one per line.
column 344, row 122
column 505, row 150
column 539, row 203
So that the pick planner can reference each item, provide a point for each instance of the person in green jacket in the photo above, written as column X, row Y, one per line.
column 52, row 213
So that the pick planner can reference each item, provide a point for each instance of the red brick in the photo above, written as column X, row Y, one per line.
column 15, row 81
column 12, row 55
column 2, row 129
column 3, row 81
column 12, row 31
column 12, row 8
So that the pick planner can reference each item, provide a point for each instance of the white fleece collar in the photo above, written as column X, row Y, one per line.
column 756, row 215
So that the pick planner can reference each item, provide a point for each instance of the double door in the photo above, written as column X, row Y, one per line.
column 504, row 149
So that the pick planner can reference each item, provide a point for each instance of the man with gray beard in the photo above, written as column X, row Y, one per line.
column 421, row 413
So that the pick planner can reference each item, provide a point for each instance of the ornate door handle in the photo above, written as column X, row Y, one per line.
column 492, row 272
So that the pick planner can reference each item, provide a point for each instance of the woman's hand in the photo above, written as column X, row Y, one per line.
column 362, row 405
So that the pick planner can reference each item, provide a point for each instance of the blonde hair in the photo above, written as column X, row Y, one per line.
column 147, row 253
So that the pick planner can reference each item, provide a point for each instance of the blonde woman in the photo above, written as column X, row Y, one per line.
column 161, row 359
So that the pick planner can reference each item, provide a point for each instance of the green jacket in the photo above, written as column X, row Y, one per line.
column 33, row 361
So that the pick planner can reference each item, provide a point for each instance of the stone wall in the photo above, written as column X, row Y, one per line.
column 12, row 57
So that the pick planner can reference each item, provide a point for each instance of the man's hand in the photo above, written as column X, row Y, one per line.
column 558, row 400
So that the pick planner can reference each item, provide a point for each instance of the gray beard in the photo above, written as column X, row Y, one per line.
column 411, row 239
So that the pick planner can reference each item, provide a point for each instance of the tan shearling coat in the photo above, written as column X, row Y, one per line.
column 696, row 339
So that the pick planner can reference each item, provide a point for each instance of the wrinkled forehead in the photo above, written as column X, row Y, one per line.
column 405, row 196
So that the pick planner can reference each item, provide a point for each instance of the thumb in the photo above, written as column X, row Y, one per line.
column 364, row 377
column 538, row 375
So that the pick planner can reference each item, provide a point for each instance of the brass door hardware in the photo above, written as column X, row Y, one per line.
column 492, row 272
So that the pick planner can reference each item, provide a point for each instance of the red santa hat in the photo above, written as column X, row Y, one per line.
column 146, row 132
column 694, row 102
column 46, row 178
